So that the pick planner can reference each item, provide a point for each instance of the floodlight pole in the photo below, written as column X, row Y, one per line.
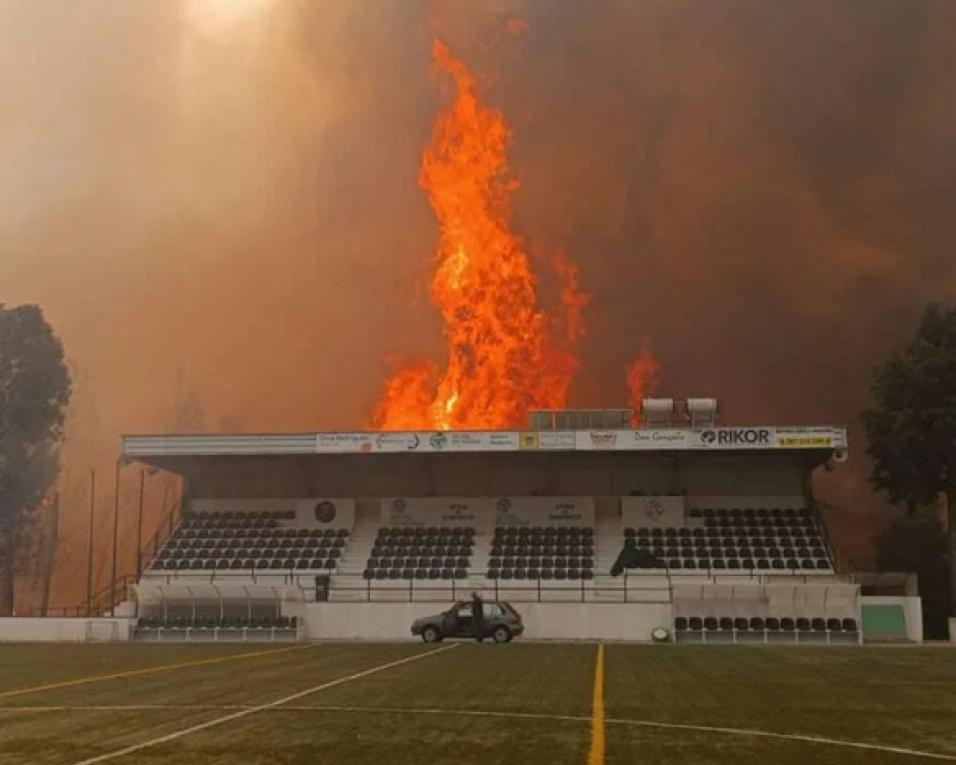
column 89, row 560
column 115, row 532
column 139, row 525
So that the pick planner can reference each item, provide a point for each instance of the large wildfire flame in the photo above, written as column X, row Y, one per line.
column 506, row 355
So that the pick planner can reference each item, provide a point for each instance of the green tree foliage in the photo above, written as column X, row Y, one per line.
column 34, row 393
column 911, row 427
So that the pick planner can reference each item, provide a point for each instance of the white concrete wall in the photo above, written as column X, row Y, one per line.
column 912, row 612
column 25, row 630
column 543, row 621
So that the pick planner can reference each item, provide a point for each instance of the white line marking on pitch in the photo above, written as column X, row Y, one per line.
column 261, row 707
column 467, row 713
column 786, row 737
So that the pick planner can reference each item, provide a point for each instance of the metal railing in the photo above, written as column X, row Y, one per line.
column 635, row 585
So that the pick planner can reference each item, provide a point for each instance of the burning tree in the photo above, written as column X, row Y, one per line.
column 34, row 393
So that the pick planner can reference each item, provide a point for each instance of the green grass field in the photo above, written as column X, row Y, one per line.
column 522, row 703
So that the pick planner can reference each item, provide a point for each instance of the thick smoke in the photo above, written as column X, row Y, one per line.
column 222, row 217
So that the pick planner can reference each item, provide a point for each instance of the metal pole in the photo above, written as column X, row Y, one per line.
column 139, row 524
column 115, row 533
column 89, row 561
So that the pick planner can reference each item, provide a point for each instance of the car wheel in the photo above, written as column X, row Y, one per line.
column 431, row 634
column 501, row 634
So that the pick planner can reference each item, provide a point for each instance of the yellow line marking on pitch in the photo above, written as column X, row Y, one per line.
column 260, row 708
column 148, row 671
column 596, row 754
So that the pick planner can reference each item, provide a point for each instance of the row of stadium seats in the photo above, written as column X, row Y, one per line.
column 422, row 531
column 254, row 544
column 534, row 573
column 265, row 533
column 502, row 533
column 758, row 624
column 762, row 512
column 242, row 515
column 737, row 564
column 686, row 534
column 239, row 564
column 398, row 572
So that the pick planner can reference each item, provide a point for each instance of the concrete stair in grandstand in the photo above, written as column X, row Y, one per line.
column 607, row 543
column 347, row 581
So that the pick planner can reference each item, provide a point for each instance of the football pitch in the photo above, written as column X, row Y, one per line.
column 454, row 704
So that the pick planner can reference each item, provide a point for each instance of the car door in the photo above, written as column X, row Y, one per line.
column 464, row 621
column 449, row 623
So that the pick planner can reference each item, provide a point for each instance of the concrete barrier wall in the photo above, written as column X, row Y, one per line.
column 546, row 621
column 912, row 612
column 52, row 630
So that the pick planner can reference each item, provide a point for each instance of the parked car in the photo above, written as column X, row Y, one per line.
column 502, row 622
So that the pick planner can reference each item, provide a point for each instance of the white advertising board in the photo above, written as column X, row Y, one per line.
column 652, row 512
column 437, row 511
column 315, row 512
column 544, row 511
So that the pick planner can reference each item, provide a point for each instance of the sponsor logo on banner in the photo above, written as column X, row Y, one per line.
column 556, row 440
column 438, row 441
column 397, row 442
column 345, row 442
column 325, row 511
column 659, row 439
column 804, row 442
column 737, row 438
column 565, row 511
column 604, row 439
column 528, row 441
column 502, row 441
column 653, row 509
column 459, row 512
column 468, row 442
column 807, row 438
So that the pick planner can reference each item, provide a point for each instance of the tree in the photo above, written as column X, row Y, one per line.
column 911, row 428
column 34, row 393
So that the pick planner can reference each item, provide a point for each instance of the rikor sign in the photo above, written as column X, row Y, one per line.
column 735, row 438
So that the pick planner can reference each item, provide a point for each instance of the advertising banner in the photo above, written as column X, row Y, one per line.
column 437, row 511
column 641, row 439
column 544, row 511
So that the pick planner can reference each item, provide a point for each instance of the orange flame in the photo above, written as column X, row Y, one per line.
column 641, row 380
column 505, row 354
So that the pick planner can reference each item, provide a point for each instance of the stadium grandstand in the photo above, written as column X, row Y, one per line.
column 678, row 530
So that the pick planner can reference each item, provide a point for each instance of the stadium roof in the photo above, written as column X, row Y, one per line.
column 754, row 438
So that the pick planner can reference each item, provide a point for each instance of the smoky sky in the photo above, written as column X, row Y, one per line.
column 762, row 191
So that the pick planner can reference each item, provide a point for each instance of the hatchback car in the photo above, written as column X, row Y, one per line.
column 501, row 622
